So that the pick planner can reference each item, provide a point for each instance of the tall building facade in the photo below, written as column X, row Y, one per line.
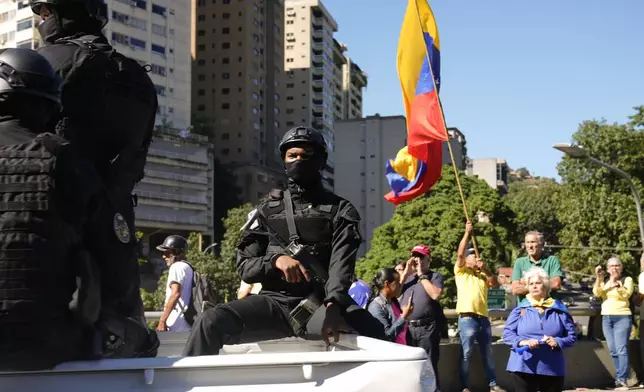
column 238, row 74
column 363, row 147
column 493, row 170
column 152, row 32
column 308, row 60
column 349, row 81
column 458, row 143
column 176, row 194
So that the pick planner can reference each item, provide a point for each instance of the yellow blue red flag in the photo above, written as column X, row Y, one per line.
column 418, row 166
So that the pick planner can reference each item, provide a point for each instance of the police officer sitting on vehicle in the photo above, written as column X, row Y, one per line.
column 283, row 259
column 46, row 295
column 109, row 108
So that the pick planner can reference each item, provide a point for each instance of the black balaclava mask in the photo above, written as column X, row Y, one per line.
column 305, row 172
column 68, row 20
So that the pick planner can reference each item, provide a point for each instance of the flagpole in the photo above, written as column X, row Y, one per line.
column 449, row 144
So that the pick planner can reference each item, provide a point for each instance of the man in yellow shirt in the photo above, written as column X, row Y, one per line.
column 472, row 282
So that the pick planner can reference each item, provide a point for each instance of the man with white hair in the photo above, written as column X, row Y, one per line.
column 536, row 258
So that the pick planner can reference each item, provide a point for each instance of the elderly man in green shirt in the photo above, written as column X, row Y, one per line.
column 534, row 247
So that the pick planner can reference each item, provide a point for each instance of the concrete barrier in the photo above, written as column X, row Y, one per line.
column 588, row 365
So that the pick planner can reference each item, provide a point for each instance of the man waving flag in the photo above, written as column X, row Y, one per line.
column 418, row 166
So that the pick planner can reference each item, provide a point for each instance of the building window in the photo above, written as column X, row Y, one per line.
column 225, row 30
column 157, row 69
column 201, row 78
column 201, row 62
column 159, row 10
column 225, row 91
column 137, row 43
column 225, row 106
column 24, row 24
column 201, row 108
column 201, row 92
column 225, row 76
column 225, row 45
column 158, row 29
column 130, row 20
column 225, row 60
column 26, row 44
column 225, row 151
column 158, row 49
column 225, row 15
column 201, row 33
column 160, row 90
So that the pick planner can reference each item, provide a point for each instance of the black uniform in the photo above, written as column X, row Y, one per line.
column 328, row 226
column 109, row 109
column 46, row 196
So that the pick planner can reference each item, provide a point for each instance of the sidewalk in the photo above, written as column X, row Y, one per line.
column 598, row 390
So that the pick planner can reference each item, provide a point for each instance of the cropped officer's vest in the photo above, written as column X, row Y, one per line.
column 315, row 224
column 35, row 278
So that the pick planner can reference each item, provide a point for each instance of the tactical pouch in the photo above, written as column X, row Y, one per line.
column 300, row 316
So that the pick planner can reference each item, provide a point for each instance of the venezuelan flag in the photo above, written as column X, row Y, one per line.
column 418, row 166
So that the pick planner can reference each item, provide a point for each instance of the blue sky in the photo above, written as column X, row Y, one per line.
column 517, row 76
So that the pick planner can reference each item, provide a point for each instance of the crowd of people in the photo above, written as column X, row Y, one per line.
column 405, row 299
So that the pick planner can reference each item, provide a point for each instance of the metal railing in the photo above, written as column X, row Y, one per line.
column 192, row 220
column 176, row 177
column 172, row 196
column 451, row 313
column 177, row 155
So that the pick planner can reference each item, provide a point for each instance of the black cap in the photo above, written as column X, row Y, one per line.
column 304, row 135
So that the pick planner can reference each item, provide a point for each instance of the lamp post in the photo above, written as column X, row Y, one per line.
column 210, row 246
column 580, row 153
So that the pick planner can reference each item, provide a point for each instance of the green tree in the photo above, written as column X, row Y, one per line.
column 438, row 221
column 202, row 125
column 596, row 207
column 534, row 202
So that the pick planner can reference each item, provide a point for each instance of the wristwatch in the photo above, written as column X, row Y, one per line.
column 423, row 277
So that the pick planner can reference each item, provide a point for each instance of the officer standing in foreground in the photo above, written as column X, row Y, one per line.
column 46, row 297
column 290, row 258
column 109, row 109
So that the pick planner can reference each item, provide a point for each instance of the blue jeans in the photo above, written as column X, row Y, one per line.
column 476, row 329
column 617, row 330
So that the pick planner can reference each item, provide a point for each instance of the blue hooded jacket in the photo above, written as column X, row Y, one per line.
column 554, row 321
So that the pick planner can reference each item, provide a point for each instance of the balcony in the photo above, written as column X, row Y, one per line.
column 191, row 220
column 176, row 177
column 178, row 155
column 172, row 197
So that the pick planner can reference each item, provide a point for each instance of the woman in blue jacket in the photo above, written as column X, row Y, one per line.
column 537, row 331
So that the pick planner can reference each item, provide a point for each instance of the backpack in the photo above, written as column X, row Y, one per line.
column 118, row 108
column 202, row 296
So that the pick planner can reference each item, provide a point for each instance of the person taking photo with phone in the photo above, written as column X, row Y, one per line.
column 427, row 320
column 385, row 307
column 472, row 282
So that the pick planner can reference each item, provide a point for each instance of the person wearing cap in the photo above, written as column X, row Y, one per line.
column 472, row 282
column 179, row 284
column 427, row 319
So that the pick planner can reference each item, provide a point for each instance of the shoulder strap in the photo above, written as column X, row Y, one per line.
column 290, row 217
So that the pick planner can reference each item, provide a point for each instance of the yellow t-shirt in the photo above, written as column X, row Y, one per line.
column 472, row 287
column 615, row 300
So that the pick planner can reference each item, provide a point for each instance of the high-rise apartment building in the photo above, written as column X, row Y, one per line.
column 311, row 71
column 152, row 32
column 238, row 72
column 493, row 170
column 349, row 81
column 176, row 194
column 323, row 84
column 364, row 146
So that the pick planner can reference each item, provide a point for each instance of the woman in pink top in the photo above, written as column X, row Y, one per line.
column 385, row 307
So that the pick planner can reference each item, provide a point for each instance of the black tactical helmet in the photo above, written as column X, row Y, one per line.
column 24, row 71
column 304, row 135
column 174, row 243
column 96, row 9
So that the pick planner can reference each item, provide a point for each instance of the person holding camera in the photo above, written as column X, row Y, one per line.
column 616, row 291
column 427, row 319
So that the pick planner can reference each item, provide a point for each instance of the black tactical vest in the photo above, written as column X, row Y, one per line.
column 36, row 282
column 315, row 224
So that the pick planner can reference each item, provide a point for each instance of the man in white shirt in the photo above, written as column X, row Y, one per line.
column 179, row 286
